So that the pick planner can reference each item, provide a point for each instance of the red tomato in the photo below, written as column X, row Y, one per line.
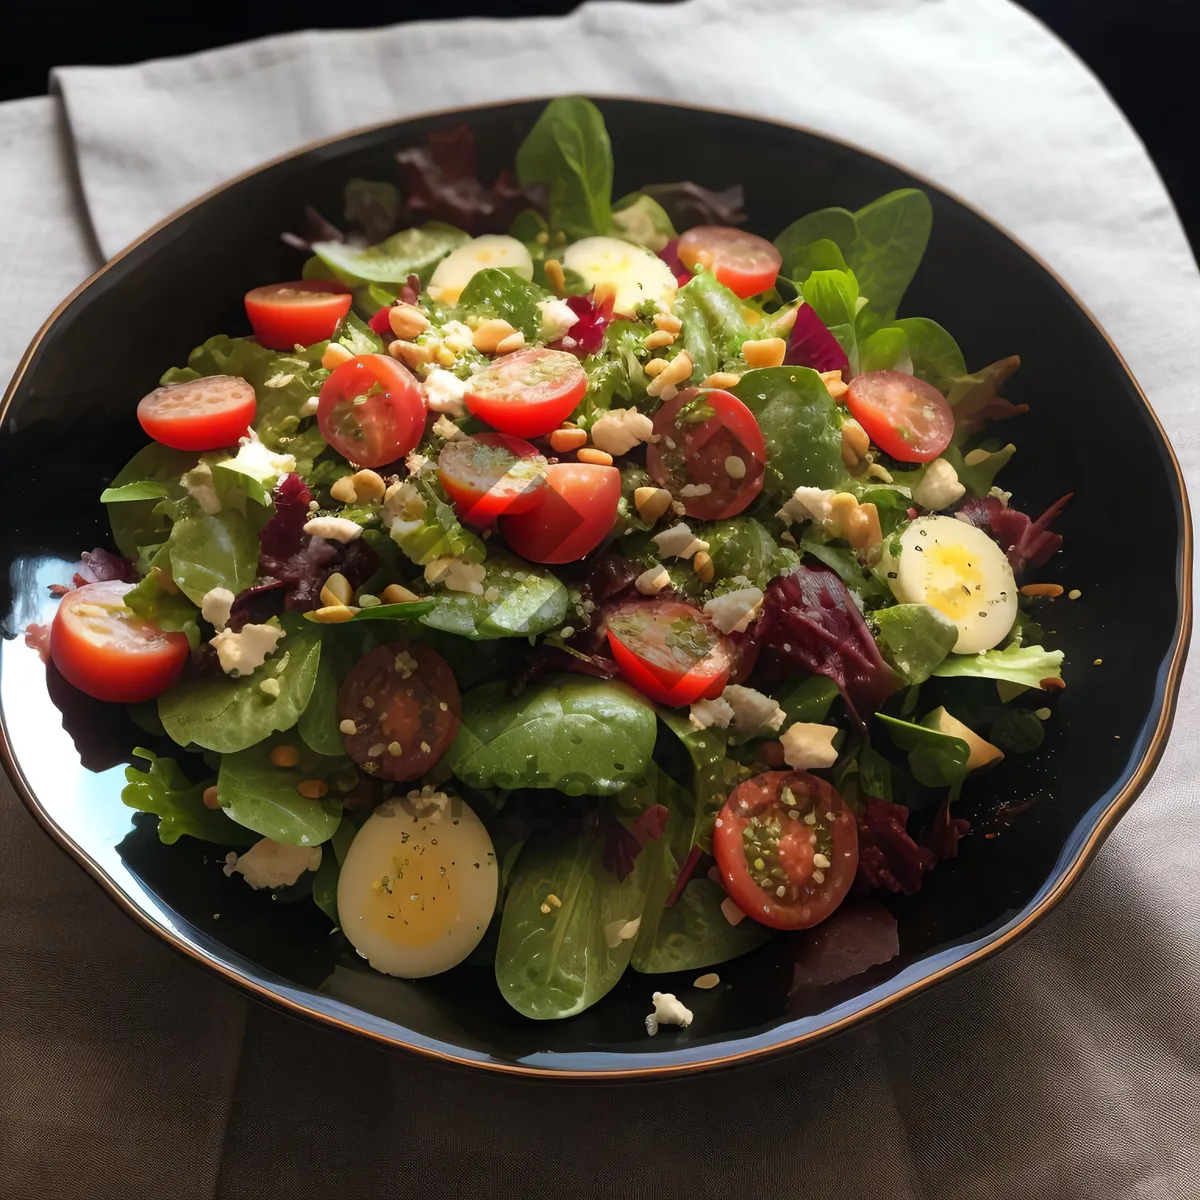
column 903, row 415
column 201, row 414
column 705, row 439
column 669, row 651
column 371, row 410
column 490, row 475
column 529, row 392
column 286, row 315
column 404, row 702
column 745, row 263
column 575, row 512
column 107, row 651
column 765, row 821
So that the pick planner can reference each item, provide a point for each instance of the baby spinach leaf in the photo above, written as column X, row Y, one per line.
column 213, row 550
column 333, row 854
column 134, row 519
column 808, row 700
column 556, row 964
column 170, row 611
column 318, row 724
column 414, row 251
column 822, row 255
column 708, row 790
column 580, row 736
column 833, row 296
column 935, row 759
column 228, row 715
column 935, row 355
column 496, row 293
column 741, row 546
column 885, row 350
column 891, row 234
column 437, row 533
column 166, row 791
column 263, row 797
column 836, row 225
column 801, row 425
column 1028, row 665
column 714, row 324
column 519, row 600
column 914, row 639
column 1017, row 731
column 568, row 153
column 409, row 610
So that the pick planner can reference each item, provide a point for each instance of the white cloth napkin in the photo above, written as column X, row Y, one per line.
column 1068, row 1066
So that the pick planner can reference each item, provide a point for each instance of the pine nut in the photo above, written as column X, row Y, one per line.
column 514, row 341
column 343, row 491
column 722, row 379
column 656, row 366
column 368, row 487
column 702, row 564
column 668, row 321
column 565, row 440
column 335, row 354
column 766, row 352
column 443, row 355
column 1050, row 590
column 407, row 321
column 210, row 797
column 658, row 340
column 332, row 614
column 589, row 454
column 677, row 370
column 285, row 756
column 312, row 789
column 855, row 443
column 337, row 590
column 394, row 593
column 833, row 384
column 555, row 277
column 490, row 333
column 412, row 353
column 651, row 503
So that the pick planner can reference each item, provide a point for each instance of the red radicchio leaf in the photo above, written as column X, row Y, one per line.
column 689, row 204
column 1026, row 543
column 586, row 336
column 317, row 229
column 670, row 255
column 685, row 874
column 623, row 843
column 441, row 184
column 549, row 660
column 858, row 936
column 284, row 534
column 942, row 835
column 887, row 857
column 410, row 293
column 37, row 637
column 811, row 624
column 812, row 345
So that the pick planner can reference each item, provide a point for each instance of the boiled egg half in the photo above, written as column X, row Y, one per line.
column 418, row 886
column 459, row 267
column 635, row 274
column 960, row 571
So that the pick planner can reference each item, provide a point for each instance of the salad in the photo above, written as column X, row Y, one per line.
column 565, row 586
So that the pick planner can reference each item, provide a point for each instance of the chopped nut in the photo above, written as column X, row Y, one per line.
column 656, row 366
column 722, row 379
column 331, row 614
column 658, row 340
column 394, row 593
column 407, row 321
column 336, row 590
column 589, row 454
column 566, row 440
column 368, row 487
column 284, row 756
column 677, row 370
column 413, row 353
column 312, row 789
column 875, row 471
column 833, row 384
column 514, row 341
column 767, row 352
column 490, row 333
column 857, row 523
column 705, row 982
column 702, row 564
column 1042, row 589
column 342, row 490
column 855, row 444
column 555, row 277
column 668, row 322
column 651, row 503
column 210, row 797
column 335, row 354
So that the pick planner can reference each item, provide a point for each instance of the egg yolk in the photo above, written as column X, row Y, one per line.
column 953, row 581
column 418, row 900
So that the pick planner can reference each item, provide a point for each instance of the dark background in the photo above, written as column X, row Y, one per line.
column 1144, row 51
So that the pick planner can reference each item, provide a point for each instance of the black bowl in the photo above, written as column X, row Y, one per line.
column 68, row 424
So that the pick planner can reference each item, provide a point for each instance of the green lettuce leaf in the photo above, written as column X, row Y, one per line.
column 1027, row 665
column 414, row 251
column 170, row 611
column 136, row 519
column 497, row 293
column 714, row 324
column 913, row 639
column 833, row 296
column 935, row 759
column 178, row 803
column 891, row 234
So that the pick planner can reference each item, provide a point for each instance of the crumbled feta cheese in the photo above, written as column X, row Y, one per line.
column 807, row 503
column 310, row 406
column 416, row 462
column 446, row 429
column 734, row 611
column 709, row 714
column 753, row 713
column 198, row 483
column 556, row 319
column 939, row 486
column 215, row 606
column 693, row 490
column 456, row 575
column 270, row 864
column 334, row 529
column 444, row 392
column 245, row 651
column 279, row 380
column 806, row 745
column 679, row 542
column 652, row 581
column 1000, row 494
column 616, row 932
column 620, row 429
column 457, row 337
column 255, row 460
column 668, row 1010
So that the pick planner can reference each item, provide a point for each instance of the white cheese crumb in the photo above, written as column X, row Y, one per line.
column 807, row 503
column 446, row 429
column 693, row 490
column 310, row 406
column 679, row 542
column 457, row 337
column 620, row 429
column 939, row 486
column 198, row 483
column 735, row 467
column 245, row 651
column 806, row 745
column 348, row 727
column 270, row 864
column 269, row 687
column 731, row 912
column 335, row 529
column 753, row 713
column 668, row 1010
column 456, row 575
column 707, row 714
column 652, row 581
column 215, row 606
column 734, row 611
column 444, row 392
column 254, row 459
column 556, row 319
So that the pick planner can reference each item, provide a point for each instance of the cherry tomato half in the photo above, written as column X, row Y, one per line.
column 710, row 453
column 765, row 845
column 528, row 392
column 491, row 475
column 371, row 410
column 405, row 706
column 575, row 512
column 903, row 415
column 285, row 315
column 106, row 650
column 200, row 414
column 745, row 263
column 669, row 651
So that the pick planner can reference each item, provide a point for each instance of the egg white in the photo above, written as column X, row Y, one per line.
column 457, row 269
column 960, row 571
column 418, row 886
column 635, row 273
